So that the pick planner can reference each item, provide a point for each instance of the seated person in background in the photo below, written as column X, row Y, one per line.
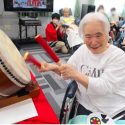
column 101, row 9
column 122, row 30
column 121, row 21
column 98, row 68
column 67, row 19
column 73, row 38
column 114, row 16
column 114, row 29
column 114, row 20
column 53, row 34
column 70, row 30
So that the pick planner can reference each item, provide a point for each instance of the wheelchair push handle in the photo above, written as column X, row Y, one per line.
column 71, row 90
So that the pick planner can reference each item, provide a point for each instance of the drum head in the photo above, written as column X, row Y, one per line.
column 12, row 63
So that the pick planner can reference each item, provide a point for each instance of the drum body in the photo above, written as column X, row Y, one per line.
column 14, row 74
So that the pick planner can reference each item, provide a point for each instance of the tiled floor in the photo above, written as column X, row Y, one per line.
column 52, row 85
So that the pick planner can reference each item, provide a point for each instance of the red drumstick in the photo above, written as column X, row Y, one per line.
column 28, row 57
column 47, row 48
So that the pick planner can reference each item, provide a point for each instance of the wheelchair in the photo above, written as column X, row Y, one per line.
column 69, row 107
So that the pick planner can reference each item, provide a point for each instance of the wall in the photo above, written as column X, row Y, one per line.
column 64, row 3
column 9, row 24
column 83, row 2
column 9, row 20
column 118, row 4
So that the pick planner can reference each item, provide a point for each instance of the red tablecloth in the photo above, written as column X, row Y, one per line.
column 46, row 115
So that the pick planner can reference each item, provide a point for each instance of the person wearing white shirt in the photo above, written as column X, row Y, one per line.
column 98, row 68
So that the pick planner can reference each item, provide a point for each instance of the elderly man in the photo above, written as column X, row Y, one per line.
column 98, row 68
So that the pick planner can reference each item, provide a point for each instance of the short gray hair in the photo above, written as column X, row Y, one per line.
column 97, row 17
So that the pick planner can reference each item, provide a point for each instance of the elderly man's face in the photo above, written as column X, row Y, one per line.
column 95, row 37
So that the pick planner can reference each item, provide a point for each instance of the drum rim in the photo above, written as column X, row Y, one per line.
column 10, row 75
column 7, row 68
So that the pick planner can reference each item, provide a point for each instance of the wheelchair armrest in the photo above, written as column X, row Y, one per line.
column 70, row 93
column 71, row 90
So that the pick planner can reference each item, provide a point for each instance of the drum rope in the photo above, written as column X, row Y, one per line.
column 10, row 73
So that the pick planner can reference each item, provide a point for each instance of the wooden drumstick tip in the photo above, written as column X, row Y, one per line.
column 59, row 63
column 42, row 67
column 25, row 55
column 37, row 36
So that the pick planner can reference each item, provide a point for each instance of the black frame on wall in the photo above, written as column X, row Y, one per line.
column 8, row 6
